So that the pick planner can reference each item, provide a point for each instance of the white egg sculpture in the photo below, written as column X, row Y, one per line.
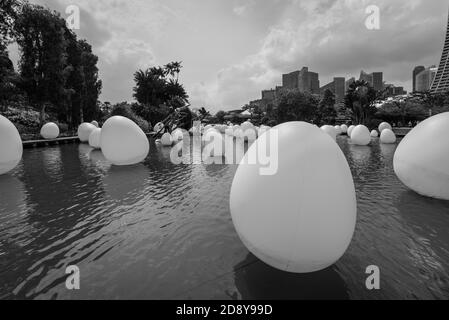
column 166, row 139
column 387, row 136
column 95, row 123
column 11, row 148
column 344, row 128
column 383, row 126
column 159, row 127
column 338, row 130
column 279, row 215
column 94, row 138
column 350, row 130
column 330, row 131
column 360, row 135
column 374, row 134
column 84, row 131
column 50, row 131
column 123, row 142
column 421, row 160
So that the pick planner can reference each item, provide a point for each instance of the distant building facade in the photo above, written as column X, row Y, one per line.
column 374, row 79
column 441, row 81
column 337, row 87
column 416, row 71
column 303, row 80
column 425, row 79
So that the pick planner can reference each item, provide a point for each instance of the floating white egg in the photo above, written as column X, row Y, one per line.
column 338, row 130
column 166, row 139
column 123, row 142
column 360, row 135
column 281, row 218
column 350, row 130
column 383, row 126
column 50, row 131
column 387, row 136
column 344, row 128
column 11, row 148
column 330, row 131
column 374, row 134
column 95, row 138
column 84, row 131
column 95, row 123
column 421, row 160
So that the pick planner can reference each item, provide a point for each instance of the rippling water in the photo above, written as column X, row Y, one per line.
column 164, row 231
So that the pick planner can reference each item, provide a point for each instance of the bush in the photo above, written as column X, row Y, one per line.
column 124, row 109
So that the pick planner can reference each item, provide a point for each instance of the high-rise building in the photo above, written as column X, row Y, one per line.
column 441, row 81
column 290, row 80
column 425, row 79
column 416, row 71
column 304, row 80
column 374, row 79
column 337, row 87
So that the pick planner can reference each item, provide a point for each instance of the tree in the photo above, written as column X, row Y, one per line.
column 326, row 113
column 293, row 105
column 220, row 116
column 359, row 100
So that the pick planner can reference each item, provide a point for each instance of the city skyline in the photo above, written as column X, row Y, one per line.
column 234, row 49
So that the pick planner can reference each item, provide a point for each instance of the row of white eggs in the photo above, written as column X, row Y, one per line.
column 360, row 134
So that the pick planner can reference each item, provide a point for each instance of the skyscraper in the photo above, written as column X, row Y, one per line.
column 441, row 81
column 425, row 78
column 416, row 71
column 337, row 87
column 375, row 79
column 304, row 80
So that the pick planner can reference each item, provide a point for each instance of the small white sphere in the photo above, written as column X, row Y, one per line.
column 330, row 131
column 11, row 148
column 50, row 131
column 338, row 130
column 350, row 130
column 387, row 136
column 84, row 131
column 383, row 126
column 421, row 160
column 178, row 135
column 95, row 123
column 166, row 139
column 374, row 134
column 344, row 128
column 360, row 135
column 95, row 138
column 277, row 215
column 159, row 127
column 123, row 142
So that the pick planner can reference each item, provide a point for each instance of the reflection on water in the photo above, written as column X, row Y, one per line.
column 162, row 230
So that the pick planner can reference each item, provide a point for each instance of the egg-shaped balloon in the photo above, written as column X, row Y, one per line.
column 123, row 142
column 360, row 135
column 11, row 148
column 387, row 136
column 166, row 139
column 276, row 212
column 330, row 131
column 94, row 138
column 350, row 130
column 84, row 131
column 338, row 130
column 383, row 126
column 374, row 134
column 344, row 128
column 95, row 123
column 50, row 131
column 421, row 160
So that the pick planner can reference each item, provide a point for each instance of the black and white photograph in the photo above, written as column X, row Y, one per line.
column 224, row 155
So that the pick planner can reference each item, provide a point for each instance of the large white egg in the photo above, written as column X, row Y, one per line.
column 50, row 131
column 338, row 130
column 350, row 130
column 421, row 160
column 330, row 131
column 94, row 138
column 123, row 142
column 360, row 135
column 95, row 123
column 387, row 136
column 374, row 134
column 166, row 139
column 344, row 128
column 383, row 126
column 84, row 131
column 282, row 218
column 11, row 148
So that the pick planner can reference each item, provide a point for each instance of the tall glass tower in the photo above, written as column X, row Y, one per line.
column 441, row 80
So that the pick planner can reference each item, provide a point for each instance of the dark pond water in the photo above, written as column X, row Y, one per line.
column 164, row 231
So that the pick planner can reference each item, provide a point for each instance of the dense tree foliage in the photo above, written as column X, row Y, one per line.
column 293, row 105
column 326, row 112
column 359, row 100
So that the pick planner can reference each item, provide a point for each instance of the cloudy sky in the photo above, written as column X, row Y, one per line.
column 232, row 49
